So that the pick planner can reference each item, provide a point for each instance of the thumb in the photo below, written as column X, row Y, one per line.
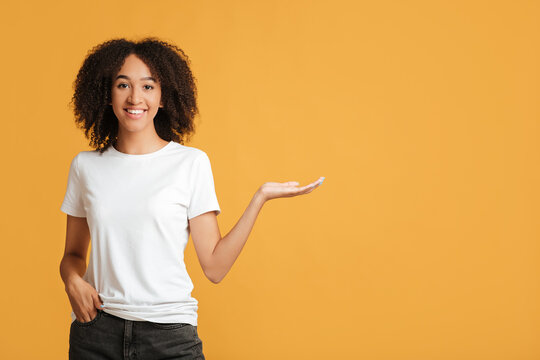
column 97, row 301
column 296, row 183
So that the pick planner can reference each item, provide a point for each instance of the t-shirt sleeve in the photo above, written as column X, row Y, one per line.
column 203, row 193
column 73, row 201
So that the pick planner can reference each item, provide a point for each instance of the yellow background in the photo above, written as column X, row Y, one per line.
column 421, row 244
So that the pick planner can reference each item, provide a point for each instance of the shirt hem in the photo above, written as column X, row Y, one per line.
column 155, row 318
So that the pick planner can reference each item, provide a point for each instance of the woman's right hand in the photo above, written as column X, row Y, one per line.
column 84, row 299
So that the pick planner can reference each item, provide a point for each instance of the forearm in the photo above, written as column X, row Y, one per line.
column 72, row 268
column 229, row 247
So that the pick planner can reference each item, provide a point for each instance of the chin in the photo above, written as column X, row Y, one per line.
column 133, row 127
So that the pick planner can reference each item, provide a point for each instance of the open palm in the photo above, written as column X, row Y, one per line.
column 272, row 190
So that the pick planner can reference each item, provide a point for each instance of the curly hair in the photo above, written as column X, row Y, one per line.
column 93, row 86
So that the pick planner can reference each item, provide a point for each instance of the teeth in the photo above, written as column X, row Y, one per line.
column 135, row 111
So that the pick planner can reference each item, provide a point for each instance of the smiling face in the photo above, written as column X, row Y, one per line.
column 136, row 96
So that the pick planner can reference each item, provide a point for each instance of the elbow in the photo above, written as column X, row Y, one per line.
column 214, row 278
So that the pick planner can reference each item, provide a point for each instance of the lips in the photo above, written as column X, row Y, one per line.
column 139, row 113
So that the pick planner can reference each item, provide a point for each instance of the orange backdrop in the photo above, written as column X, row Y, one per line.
column 423, row 241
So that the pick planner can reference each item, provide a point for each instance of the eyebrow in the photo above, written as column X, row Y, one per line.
column 127, row 78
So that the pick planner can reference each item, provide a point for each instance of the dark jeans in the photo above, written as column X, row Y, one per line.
column 111, row 337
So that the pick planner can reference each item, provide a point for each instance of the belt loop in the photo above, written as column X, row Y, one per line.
column 128, row 330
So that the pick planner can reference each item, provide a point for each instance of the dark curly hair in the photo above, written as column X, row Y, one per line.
column 93, row 85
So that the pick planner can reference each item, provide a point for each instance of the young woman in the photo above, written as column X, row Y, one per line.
column 138, row 195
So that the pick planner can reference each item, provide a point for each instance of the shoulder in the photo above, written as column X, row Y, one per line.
column 86, row 155
column 189, row 151
column 85, row 159
column 76, row 159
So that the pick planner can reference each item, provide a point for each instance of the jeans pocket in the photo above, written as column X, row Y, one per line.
column 91, row 322
column 169, row 326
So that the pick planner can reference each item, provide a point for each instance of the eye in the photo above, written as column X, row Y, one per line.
column 150, row 86
column 120, row 85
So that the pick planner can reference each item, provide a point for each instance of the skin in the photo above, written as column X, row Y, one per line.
column 216, row 254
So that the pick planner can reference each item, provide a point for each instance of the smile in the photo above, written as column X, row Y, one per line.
column 134, row 113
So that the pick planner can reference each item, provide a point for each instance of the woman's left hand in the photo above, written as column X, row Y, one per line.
column 273, row 190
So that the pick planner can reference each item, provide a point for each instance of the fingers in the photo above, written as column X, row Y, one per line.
column 98, row 304
column 272, row 190
column 305, row 189
column 295, row 183
column 317, row 182
column 86, row 316
column 313, row 185
column 92, row 315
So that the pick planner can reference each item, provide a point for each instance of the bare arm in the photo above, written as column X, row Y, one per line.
column 82, row 296
column 216, row 254
column 73, row 264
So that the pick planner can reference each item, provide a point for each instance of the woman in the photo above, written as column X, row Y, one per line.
column 139, row 195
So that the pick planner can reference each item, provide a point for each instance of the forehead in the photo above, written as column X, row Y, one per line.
column 134, row 68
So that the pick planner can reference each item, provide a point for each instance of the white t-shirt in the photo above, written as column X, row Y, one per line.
column 137, row 208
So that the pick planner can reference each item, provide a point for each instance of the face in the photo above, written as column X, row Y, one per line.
column 136, row 96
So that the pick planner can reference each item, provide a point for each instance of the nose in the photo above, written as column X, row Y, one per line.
column 134, row 97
